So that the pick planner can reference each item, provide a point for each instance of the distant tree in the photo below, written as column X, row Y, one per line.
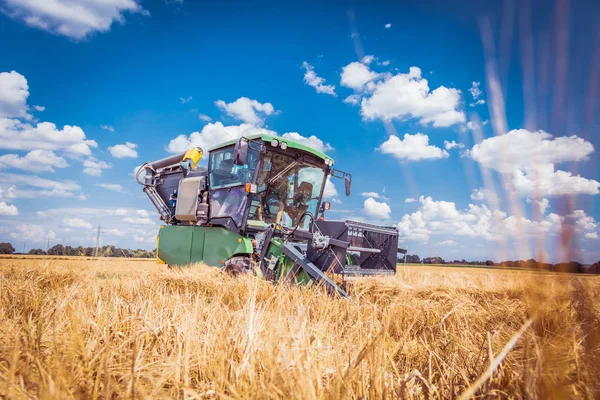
column 6, row 248
column 434, row 260
column 413, row 259
column 57, row 250
column 37, row 252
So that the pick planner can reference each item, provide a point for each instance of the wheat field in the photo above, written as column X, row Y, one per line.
column 115, row 328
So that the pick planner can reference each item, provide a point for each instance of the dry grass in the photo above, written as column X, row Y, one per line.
column 113, row 329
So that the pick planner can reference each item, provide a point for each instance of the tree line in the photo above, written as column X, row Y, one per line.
column 61, row 250
column 572, row 267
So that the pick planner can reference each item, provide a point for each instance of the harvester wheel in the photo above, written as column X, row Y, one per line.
column 238, row 265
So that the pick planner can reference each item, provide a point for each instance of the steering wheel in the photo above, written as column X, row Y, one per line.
column 272, row 204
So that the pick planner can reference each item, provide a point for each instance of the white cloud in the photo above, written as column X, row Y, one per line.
column 94, row 167
column 213, row 134
column 107, row 128
column 451, row 145
column 114, row 187
column 32, row 233
column 185, row 100
column 368, row 59
column 410, row 200
column 477, row 194
column 75, row 20
column 138, row 221
column 530, row 158
column 8, row 194
column 476, row 93
column 374, row 195
column 412, row 148
column 311, row 141
column 542, row 205
column 8, row 209
column 247, row 110
column 32, row 186
column 484, row 194
column 126, row 150
column 388, row 26
column 478, row 221
column 76, row 223
column 14, row 92
column 385, row 63
column 376, row 209
column 34, row 161
column 204, row 117
column 356, row 75
column 216, row 133
column 448, row 242
column 353, row 99
column 403, row 96
column 330, row 191
column 15, row 135
column 312, row 79
column 40, row 108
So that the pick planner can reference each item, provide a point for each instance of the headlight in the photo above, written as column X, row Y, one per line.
column 283, row 145
column 274, row 142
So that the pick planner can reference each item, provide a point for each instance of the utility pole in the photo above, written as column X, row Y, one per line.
column 24, row 244
column 97, row 240
column 48, row 245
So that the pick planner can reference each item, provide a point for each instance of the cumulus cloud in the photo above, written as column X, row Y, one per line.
column 448, row 242
column 478, row 221
column 8, row 194
column 312, row 79
column 311, row 141
column 32, row 186
column 32, row 233
column 94, row 167
column 388, row 26
column 75, row 20
column 15, row 135
column 376, row 209
column 113, row 187
column 204, row 117
column 107, row 128
column 412, row 148
column 8, row 209
column 213, row 134
column 476, row 93
column 410, row 200
column 76, row 223
column 247, row 110
column 452, row 145
column 374, row 195
column 402, row 96
column 34, row 161
column 216, row 133
column 14, row 92
column 530, row 157
column 357, row 74
column 39, row 108
column 126, row 150
column 330, row 191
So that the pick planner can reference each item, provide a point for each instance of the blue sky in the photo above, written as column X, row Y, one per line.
column 473, row 128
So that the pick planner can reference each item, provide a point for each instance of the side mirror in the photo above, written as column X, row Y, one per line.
column 347, row 183
column 240, row 152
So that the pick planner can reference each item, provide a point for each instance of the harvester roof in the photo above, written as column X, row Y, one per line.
column 290, row 144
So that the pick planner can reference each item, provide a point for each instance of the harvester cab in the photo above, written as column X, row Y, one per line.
column 257, row 208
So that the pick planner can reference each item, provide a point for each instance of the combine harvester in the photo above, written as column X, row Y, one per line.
column 257, row 208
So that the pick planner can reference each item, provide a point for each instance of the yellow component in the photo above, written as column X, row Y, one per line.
column 240, row 240
column 158, row 260
column 194, row 154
